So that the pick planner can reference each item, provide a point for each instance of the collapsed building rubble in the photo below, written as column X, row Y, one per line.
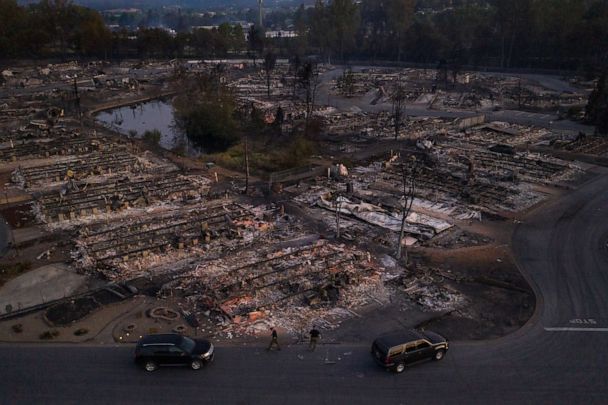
column 130, row 215
column 93, row 164
column 286, row 287
column 128, row 248
column 591, row 145
column 122, row 192
column 455, row 90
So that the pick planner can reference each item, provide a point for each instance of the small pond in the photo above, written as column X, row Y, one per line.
column 148, row 116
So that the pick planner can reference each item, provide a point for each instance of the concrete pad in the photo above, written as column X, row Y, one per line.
column 24, row 235
column 41, row 285
column 13, row 195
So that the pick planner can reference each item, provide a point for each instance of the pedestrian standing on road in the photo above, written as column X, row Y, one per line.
column 274, row 340
column 314, row 338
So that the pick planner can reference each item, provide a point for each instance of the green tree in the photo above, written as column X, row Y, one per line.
column 270, row 61
column 255, row 42
column 345, row 20
column 202, row 42
column 512, row 17
column 424, row 42
column 90, row 36
column 400, row 13
column 60, row 16
column 596, row 112
column 300, row 22
column 374, row 26
column 12, row 19
column 207, row 113
column 321, row 34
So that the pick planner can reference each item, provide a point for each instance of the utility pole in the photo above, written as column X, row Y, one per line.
column 261, row 19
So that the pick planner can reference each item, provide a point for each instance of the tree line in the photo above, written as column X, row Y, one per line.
column 51, row 27
column 559, row 34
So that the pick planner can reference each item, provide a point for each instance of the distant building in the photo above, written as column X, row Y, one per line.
column 281, row 34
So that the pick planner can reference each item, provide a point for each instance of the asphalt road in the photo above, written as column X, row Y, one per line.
column 560, row 356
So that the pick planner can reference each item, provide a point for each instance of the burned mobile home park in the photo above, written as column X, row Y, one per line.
column 358, row 200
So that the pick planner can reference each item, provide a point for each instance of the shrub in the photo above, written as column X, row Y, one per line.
column 9, row 271
column 49, row 334
column 17, row 328
column 152, row 137
column 81, row 331
column 298, row 152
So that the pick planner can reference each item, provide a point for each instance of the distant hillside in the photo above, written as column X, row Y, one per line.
column 195, row 4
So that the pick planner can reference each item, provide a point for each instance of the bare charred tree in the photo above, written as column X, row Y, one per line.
column 338, row 205
column 346, row 83
column 455, row 68
column 270, row 62
column 296, row 64
column 408, row 173
column 442, row 73
column 398, row 110
column 253, row 126
column 309, row 80
column 77, row 101
column 279, row 118
column 246, row 144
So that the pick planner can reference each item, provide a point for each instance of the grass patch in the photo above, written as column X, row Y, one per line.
column 10, row 271
column 81, row 331
column 49, row 334
column 269, row 157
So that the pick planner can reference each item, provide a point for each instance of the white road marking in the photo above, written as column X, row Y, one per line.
column 565, row 329
column 588, row 321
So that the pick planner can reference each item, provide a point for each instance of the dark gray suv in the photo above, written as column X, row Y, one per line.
column 394, row 351
column 171, row 349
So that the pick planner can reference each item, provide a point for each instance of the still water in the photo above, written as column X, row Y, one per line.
column 148, row 116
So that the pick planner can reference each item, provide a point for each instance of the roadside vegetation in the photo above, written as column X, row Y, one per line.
column 11, row 270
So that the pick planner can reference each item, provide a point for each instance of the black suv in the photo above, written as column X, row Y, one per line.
column 395, row 350
column 172, row 350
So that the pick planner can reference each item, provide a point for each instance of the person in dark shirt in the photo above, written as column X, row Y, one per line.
column 274, row 341
column 314, row 338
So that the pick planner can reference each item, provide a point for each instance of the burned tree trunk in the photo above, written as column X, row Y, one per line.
column 409, row 189
column 398, row 100
column 309, row 80
column 246, row 164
